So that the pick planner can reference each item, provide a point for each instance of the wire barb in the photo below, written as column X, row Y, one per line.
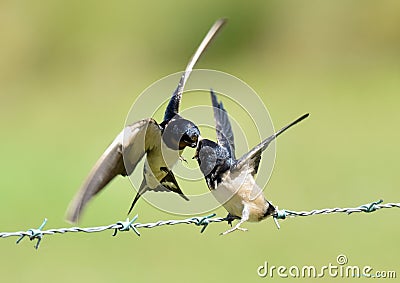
column 204, row 221
column 369, row 207
column 34, row 234
column 126, row 226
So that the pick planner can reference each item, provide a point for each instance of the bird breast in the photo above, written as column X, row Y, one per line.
column 239, row 189
column 158, row 157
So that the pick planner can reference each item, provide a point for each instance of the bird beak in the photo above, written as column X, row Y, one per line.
column 196, row 155
column 194, row 144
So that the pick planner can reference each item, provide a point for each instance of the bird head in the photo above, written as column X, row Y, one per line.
column 179, row 133
column 211, row 157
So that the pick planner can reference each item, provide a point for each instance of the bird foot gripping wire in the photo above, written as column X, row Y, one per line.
column 34, row 234
column 235, row 228
column 126, row 226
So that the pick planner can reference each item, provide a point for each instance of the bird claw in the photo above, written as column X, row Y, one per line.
column 237, row 227
column 230, row 218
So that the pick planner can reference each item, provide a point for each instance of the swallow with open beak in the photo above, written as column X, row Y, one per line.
column 146, row 137
column 232, row 180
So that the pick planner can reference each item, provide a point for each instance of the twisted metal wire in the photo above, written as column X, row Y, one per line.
column 131, row 225
column 369, row 207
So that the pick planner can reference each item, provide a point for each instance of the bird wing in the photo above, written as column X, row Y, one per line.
column 173, row 105
column 253, row 157
column 169, row 182
column 223, row 126
column 120, row 158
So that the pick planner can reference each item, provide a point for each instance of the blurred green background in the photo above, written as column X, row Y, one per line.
column 70, row 70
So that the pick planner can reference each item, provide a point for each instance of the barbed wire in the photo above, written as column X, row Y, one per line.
column 369, row 207
column 132, row 225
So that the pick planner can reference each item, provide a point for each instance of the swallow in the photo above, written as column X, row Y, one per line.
column 231, row 180
column 146, row 137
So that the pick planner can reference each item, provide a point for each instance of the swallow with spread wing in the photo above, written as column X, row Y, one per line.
column 146, row 137
column 232, row 180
